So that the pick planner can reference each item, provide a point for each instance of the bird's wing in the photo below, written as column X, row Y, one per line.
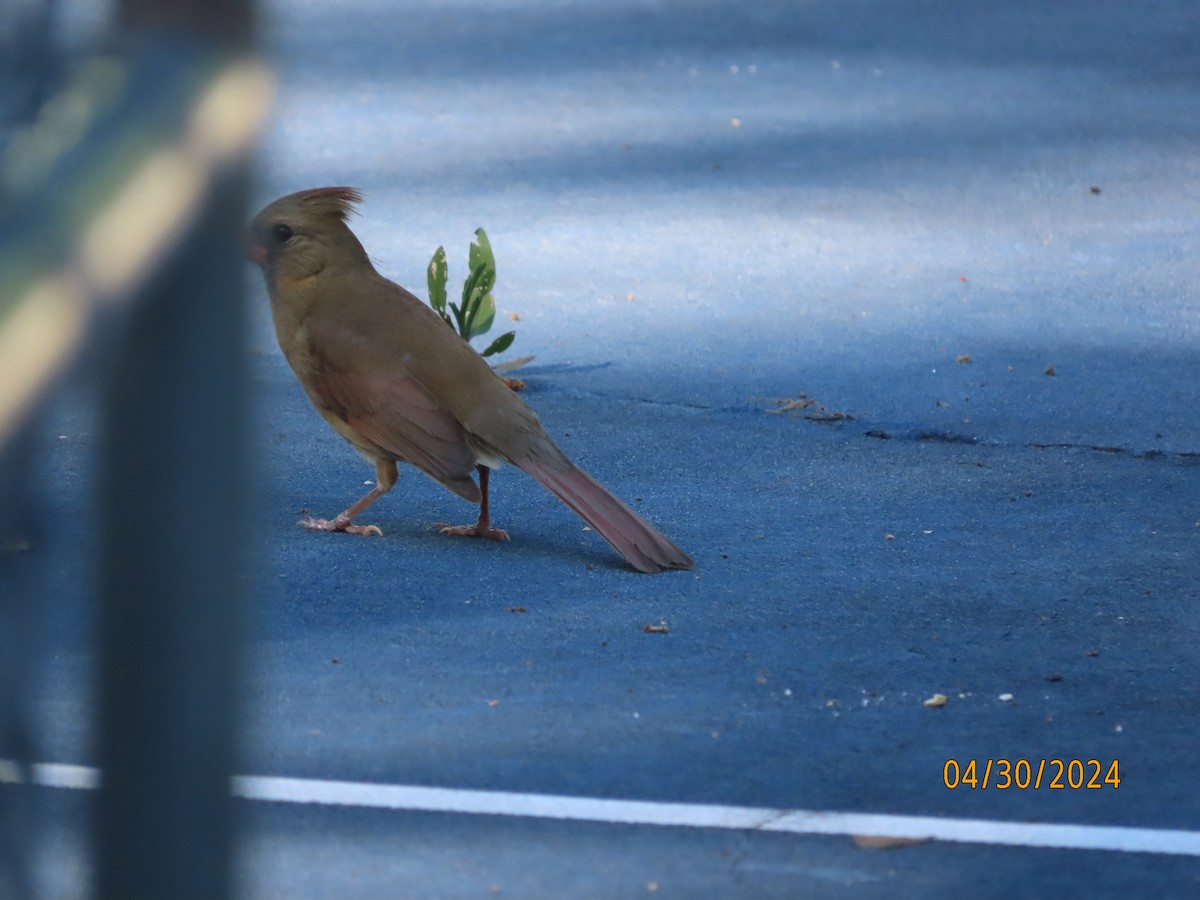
column 358, row 382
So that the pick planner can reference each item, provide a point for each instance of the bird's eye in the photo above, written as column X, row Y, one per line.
column 282, row 233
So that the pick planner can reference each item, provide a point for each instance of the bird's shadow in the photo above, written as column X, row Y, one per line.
column 530, row 545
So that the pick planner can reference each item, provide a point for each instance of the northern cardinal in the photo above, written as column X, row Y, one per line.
column 392, row 378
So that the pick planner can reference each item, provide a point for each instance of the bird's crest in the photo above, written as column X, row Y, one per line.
column 329, row 201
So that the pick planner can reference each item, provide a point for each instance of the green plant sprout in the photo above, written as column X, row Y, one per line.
column 477, row 311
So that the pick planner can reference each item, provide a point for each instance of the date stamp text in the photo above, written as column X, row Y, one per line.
column 1032, row 774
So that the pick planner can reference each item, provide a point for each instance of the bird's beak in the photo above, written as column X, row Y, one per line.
column 255, row 251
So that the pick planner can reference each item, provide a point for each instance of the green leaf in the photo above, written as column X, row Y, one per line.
column 481, row 316
column 436, row 276
column 476, row 314
column 477, row 302
column 500, row 344
column 458, row 317
column 482, row 264
column 470, row 295
column 480, row 256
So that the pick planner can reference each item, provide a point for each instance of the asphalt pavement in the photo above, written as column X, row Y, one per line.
column 887, row 313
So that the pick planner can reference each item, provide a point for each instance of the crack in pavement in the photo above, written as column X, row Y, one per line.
column 951, row 437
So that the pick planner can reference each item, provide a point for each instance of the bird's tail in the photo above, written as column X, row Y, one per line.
column 634, row 538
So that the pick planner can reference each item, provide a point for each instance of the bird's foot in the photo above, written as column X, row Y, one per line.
column 476, row 530
column 339, row 523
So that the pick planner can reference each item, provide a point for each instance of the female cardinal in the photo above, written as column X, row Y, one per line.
column 388, row 374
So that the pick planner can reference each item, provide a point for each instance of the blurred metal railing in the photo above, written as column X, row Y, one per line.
column 123, row 203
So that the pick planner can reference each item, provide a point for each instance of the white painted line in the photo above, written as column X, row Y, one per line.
column 499, row 803
column 672, row 815
column 56, row 775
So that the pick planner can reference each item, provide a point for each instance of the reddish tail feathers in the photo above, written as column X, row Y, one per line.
column 634, row 538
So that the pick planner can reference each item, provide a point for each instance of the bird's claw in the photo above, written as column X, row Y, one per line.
column 495, row 534
column 339, row 524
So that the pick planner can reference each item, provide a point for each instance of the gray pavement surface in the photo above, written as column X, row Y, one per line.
column 967, row 232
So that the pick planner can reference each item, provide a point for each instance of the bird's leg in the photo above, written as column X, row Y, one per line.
column 483, row 526
column 385, row 480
